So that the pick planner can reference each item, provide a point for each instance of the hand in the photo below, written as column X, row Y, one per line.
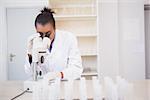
column 52, row 76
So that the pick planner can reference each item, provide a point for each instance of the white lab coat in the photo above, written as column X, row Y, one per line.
column 64, row 56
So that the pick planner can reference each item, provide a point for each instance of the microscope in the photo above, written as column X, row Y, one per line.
column 39, row 51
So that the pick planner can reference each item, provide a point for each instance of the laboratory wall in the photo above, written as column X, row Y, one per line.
column 131, row 39
column 122, row 39
column 109, row 38
column 3, row 45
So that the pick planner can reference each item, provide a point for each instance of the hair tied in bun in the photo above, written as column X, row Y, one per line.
column 47, row 10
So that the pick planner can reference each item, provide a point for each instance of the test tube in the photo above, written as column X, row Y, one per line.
column 97, row 88
column 35, row 95
column 111, row 89
column 54, row 90
column 45, row 90
column 69, row 90
column 125, row 89
column 83, row 90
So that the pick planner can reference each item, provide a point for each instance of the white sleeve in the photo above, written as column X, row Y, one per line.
column 74, row 67
column 27, row 66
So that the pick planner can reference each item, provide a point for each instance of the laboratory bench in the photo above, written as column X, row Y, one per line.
column 9, row 89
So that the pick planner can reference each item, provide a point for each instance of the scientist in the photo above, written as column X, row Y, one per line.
column 64, row 59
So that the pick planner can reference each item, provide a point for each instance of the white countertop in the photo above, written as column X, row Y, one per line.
column 9, row 89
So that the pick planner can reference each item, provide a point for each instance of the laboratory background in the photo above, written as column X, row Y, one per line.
column 113, row 39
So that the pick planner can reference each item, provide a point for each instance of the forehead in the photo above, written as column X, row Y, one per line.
column 43, row 28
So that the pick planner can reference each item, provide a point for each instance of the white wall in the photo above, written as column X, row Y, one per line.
column 3, row 44
column 132, row 41
column 122, row 39
column 109, row 40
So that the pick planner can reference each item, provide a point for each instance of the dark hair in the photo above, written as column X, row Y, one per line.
column 46, row 16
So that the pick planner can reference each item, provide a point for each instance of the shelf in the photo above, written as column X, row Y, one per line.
column 89, row 74
column 86, row 35
column 75, row 17
column 89, row 63
column 78, row 27
column 84, row 54
column 54, row 5
column 80, row 18
column 70, row 3
column 88, row 46
column 74, row 11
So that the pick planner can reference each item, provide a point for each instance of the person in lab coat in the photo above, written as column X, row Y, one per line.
column 64, row 59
